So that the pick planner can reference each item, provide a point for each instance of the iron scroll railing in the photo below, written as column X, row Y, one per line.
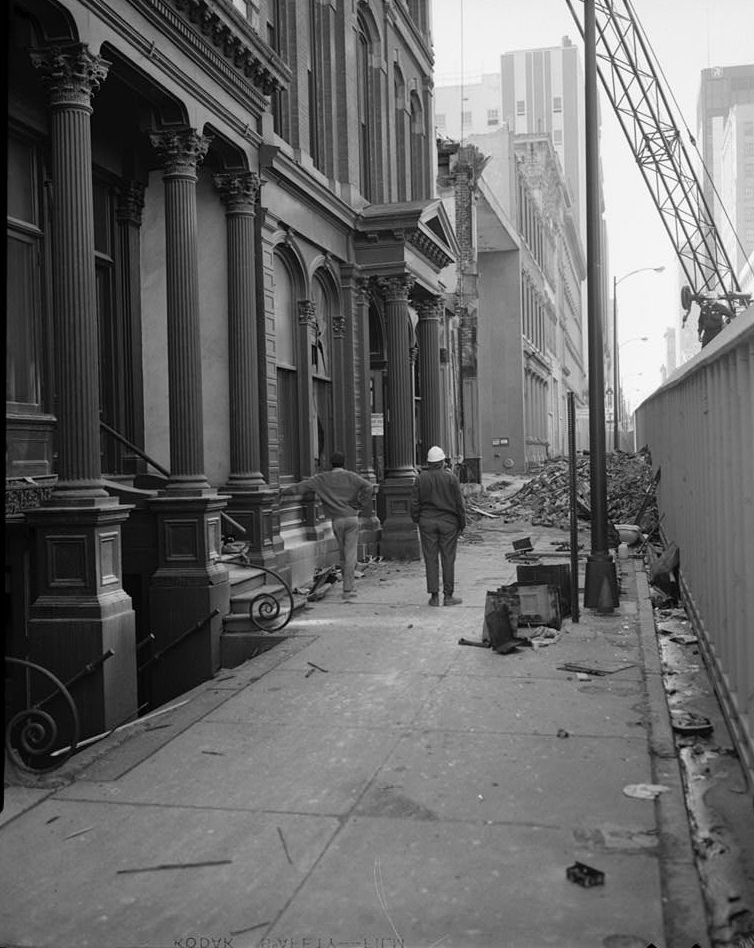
column 271, row 609
column 32, row 734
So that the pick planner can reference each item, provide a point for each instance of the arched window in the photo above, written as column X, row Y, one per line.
column 323, row 297
column 399, row 92
column 418, row 148
column 287, row 370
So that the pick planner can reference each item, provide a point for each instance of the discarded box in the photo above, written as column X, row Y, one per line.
column 539, row 605
column 554, row 575
column 584, row 875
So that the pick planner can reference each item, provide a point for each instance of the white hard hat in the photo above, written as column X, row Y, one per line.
column 435, row 454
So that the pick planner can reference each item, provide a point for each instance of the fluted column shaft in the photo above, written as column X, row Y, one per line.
column 428, row 334
column 128, row 215
column 399, row 428
column 182, row 152
column 238, row 192
column 72, row 75
column 362, row 361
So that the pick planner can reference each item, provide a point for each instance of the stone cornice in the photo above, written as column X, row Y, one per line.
column 237, row 42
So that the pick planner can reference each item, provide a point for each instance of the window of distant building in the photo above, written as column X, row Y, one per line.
column 521, row 107
column 441, row 120
column 466, row 119
column 748, row 128
column 749, row 192
column 276, row 37
column 557, row 136
column 366, row 108
column 493, row 117
column 401, row 121
column 557, row 104
column 418, row 141
column 749, row 149
column 749, row 213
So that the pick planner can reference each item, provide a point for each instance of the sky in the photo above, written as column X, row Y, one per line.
column 687, row 36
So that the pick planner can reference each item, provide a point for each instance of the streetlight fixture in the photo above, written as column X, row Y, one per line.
column 616, row 348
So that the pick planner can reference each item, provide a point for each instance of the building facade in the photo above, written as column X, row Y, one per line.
column 224, row 263
column 524, row 273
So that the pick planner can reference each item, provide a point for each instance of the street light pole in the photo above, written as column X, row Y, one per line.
column 600, row 580
column 617, row 406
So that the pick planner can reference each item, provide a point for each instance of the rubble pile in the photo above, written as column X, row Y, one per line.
column 544, row 500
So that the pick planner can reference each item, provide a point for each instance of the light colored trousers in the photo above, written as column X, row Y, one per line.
column 346, row 530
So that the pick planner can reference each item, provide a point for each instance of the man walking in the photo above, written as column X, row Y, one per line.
column 437, row 507
column 342, row 493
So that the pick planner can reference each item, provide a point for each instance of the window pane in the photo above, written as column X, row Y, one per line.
column 287, row 424
column 23, row 369
column 21, row 203
column 284, row 319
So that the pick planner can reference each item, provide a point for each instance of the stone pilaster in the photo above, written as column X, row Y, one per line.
column 128, row 217
column 181, row 152
column 71, row 75
column 80, row 610
column 428, row 334
column 307, row 339
column 251, row 502
column 399, row 535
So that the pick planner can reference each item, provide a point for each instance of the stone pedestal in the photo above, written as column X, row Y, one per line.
column 189, row 587
column 257, row 512
column 81, row 611
column 400, row 536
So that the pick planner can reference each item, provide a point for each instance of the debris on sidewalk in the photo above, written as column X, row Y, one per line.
column 687, row 722
column 313, row 668
column 645, row 791
column 593, row 668
column 584, row 875
column 544, row 499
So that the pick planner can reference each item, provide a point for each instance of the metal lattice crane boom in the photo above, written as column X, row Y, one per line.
column 641, row 104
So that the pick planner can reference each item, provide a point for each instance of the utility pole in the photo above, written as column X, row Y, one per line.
column 600, row 583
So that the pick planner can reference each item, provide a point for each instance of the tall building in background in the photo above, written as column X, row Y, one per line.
column 725, row 137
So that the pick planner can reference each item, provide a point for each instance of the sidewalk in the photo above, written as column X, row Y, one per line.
column 369, row 783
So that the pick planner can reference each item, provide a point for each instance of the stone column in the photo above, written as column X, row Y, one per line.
column 190, row 585
column 251, row 502
column 181, row 152
column 428, row 335
column 128, row 216
column 72, row 75
column 399, row 426
column 80, row 611
column 361, row 355
column 399, row 535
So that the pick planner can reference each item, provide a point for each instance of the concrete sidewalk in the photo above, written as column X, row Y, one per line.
column 369, row 783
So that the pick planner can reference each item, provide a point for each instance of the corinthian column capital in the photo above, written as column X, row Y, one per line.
column 238, row 190
column 182, row 151
column 395, row 289
column 71, row 74
column 430, row 308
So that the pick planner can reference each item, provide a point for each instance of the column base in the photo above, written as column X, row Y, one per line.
column 600, row 583
column 189, row 593
column 400, row 536
column 81, row 613
column 256, row 511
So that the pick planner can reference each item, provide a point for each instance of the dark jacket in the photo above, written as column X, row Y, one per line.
column 437, row 493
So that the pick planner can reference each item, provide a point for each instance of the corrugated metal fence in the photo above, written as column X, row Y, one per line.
column 699, row 428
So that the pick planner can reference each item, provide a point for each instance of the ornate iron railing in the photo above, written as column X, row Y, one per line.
column 272, row 608
column 31, row 735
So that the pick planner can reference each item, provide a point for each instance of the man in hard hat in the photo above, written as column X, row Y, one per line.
column 437, row 507
column 342, row 493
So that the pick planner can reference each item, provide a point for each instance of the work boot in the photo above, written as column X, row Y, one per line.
column 349, row 593
column 451, row 601
column 434, row 599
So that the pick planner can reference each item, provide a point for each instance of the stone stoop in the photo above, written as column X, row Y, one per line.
column 240, row 639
